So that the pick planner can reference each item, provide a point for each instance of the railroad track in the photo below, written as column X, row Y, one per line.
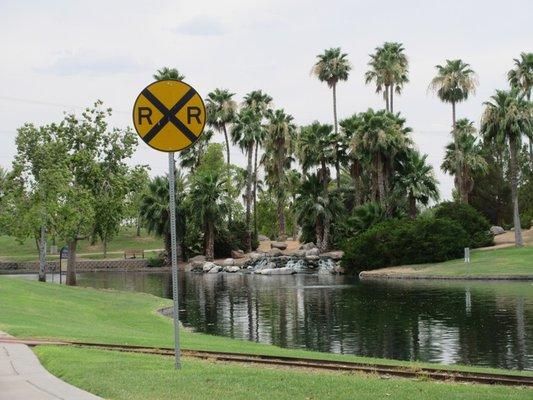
column 296, row 362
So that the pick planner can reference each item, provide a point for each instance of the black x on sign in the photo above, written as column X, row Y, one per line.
column 169, row 115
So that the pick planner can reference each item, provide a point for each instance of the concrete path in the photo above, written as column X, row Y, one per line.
column 22, row 377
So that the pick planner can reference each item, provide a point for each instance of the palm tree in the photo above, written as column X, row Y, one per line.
column 191, row 157
column 221, row 110
column 521, row 77
column 417, row 180
column 366, row 215
column 389, row 68
column 294, row 181
column 454, row 82
column 464, row 155
column 244, row 132
column 156, row 215
column 168, row 73
column 333, row 66
column 382, row 137
column 506, row 117
column 315, row 148
column 277, row 159
column 208, row 189
column 261, row 103
column 355, row 157
column 312, row 207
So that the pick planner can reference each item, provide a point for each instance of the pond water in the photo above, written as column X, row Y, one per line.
column 477, row 323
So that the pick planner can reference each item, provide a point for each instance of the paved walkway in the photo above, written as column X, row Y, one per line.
column 22, row 377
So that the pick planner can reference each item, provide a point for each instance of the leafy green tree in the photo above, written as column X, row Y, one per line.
column 464, row 156
column 332, row 67
column 208, row 189
column 221, row 111
column 521, row 77
column 417, row 180
column 389, row 69
column 168, row 73
column 455, row 81
column 506, row 117
column 279, row 144
column 138, row 180
column 244, row 133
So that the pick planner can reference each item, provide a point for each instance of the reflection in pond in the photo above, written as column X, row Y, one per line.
column 483, row 323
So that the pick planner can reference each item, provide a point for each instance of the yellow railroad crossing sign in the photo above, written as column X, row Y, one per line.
column 169, row 115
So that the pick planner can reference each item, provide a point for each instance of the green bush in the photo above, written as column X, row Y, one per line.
column 405, row 241
column 232, row 238
column 156, row 261
column 525, row 219
column 472, row 221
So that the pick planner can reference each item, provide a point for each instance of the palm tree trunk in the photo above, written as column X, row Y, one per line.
column 453, row 116
column 281, row 219
column 412, row 205
column 249, row 177
column 227, row 142
column 295, row 227
column 325, row 228
column 42, row 256
column 458, row 173
column 391, row 99
column 386, row 95
column 255, row 188
column 210, row 240
column 71, row 264
column 319, row 232
column 325, row 235
column 337, row 169
column 514, row 192
column 356, row 177
column 464, row 183
column 381, row 183
column 334, row 87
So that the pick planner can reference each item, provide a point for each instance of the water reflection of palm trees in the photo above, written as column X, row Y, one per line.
column 468, row 323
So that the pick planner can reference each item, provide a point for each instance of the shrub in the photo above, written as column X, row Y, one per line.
column 156, row 261
column 405, row 241
column 472, row 221
column 232, row 238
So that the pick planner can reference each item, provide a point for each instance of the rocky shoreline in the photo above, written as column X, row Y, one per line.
column 307, row 259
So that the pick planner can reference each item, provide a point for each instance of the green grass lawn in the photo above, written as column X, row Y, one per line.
column 11, row 249
column 504, row 261
column 115, row 375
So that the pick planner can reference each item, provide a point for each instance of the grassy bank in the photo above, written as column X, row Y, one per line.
column 32, row 309
column 502, row 262
column 12, row 250
column 116, row 375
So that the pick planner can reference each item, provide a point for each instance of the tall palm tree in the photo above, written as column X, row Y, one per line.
column 168, row 73
column 156, row 215
column 315, row 148
column 208, row 189
column 294, row 181
column 506, row 117
column 261, row 103
column 382, row 137
column 454, row 82
column 277, row 159
column 521, row 77
column 355, row 157
column 464, row 156
column 221, row 110
column 244, row 132
column 417, row 180
column 389, row 69
column 312, row 207
column 333, row 66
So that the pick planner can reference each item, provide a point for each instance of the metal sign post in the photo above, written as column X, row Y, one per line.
column 169, row 115
column 174, row 254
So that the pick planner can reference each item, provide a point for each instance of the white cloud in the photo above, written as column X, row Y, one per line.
column 201, row 25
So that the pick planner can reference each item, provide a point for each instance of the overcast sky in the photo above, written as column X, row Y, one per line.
column 62, row 55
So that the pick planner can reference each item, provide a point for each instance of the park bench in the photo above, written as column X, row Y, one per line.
column 133, row 253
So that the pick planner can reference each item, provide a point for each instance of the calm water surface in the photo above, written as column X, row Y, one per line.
column 481, row 323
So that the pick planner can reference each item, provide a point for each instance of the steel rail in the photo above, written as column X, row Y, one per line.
column 298, row 362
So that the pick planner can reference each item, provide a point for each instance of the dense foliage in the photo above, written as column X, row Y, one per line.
column 405, row 241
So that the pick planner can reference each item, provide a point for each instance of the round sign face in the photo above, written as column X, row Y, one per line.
column 169, row 115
